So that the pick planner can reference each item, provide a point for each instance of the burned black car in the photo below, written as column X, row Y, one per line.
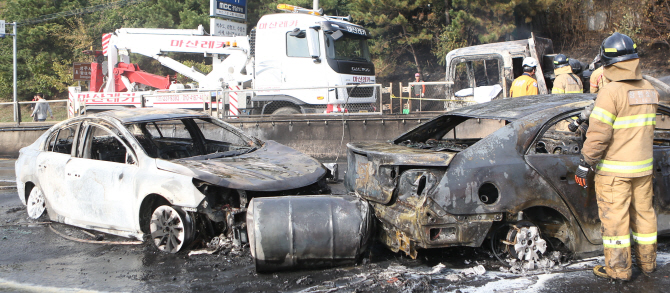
column 502, row 171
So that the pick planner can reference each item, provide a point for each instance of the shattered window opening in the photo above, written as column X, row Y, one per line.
column 61, row 141
column 478, row 77
column 662, row 130
column 101, row 144
column 557, row 139
column 189, row 138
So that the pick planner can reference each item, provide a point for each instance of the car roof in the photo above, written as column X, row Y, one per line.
column 133, row 115
column 512, row 47
column 515, row 108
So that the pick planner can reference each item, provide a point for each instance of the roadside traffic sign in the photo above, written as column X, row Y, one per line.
column 81, row 71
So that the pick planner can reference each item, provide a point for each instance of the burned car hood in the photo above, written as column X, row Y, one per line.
column 273, row 167
column 391, row 154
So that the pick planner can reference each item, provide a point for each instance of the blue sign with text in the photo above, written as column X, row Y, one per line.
column 234, row 9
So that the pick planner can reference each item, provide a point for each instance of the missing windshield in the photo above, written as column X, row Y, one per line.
column 197, row 139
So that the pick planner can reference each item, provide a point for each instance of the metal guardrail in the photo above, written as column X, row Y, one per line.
column 351, row 105
column 417, row 97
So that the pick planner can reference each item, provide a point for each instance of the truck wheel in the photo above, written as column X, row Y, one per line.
column 286, row 111
column 171, row 228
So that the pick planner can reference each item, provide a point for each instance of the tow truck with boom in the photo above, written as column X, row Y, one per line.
column 298, row 62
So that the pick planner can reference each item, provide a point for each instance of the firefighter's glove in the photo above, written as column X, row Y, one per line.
column 582, row 173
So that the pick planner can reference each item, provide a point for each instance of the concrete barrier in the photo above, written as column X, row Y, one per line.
column 13, row 137
column 321, row 137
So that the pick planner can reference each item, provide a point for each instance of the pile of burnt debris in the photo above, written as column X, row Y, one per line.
column 223, row 245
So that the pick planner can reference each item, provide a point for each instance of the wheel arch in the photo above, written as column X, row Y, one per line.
column 28, row 187
column 149, row 203
column 555, row 224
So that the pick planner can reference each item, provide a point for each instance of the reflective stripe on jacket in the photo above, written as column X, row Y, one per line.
column 524, row 85
column 619, row 141
column 567, row 82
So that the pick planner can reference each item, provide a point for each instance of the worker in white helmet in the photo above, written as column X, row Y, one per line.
column 526, row 84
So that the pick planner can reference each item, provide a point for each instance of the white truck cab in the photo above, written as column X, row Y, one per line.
column 296, row 50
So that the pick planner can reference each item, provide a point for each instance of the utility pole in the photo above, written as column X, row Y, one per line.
column 17, row 119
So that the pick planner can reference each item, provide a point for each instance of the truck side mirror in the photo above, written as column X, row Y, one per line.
column 336, row 35
column 313, row 43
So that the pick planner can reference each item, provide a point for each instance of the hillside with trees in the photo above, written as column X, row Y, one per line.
column 408, row 36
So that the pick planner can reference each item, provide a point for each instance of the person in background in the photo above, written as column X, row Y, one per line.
column 41, row 108
column 566, row 81
column 598, row 79
column 526, row 84
column 418, row 92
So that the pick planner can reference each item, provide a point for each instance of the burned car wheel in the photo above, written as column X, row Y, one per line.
column 171, row 228
column 36, row 204
column 525, row 242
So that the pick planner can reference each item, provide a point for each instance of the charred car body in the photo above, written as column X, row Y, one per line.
column 502, row 171
column 165, row 174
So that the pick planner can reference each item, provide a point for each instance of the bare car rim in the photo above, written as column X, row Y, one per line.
column 170, row 229
column 35, row 203
column 526, row 243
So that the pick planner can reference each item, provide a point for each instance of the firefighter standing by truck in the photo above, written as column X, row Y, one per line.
column 566, row 82
column 526, row 84
column 619, row 146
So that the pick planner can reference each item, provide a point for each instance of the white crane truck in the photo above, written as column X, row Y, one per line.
column 283, row 55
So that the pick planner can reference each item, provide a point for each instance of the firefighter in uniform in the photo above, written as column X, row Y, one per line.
column 525, row 85
column 619, row 144
column 597, row 79
column 566, row 82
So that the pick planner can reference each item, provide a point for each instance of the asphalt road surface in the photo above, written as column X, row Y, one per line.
column 33, row 258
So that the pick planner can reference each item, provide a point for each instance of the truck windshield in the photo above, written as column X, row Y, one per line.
column 348, row 47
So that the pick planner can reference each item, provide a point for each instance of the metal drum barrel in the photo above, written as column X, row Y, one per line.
column 292, row 232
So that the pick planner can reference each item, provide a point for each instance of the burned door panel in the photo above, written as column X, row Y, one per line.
column 559, row 171
column 555, row 154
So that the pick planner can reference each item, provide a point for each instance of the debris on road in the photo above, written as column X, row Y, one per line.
column 222, row 245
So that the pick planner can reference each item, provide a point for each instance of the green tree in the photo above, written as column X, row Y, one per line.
column 398, row 27
column 475, row 22
column 47, row 50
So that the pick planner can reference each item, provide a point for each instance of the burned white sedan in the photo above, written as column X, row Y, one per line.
column 172, row 175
